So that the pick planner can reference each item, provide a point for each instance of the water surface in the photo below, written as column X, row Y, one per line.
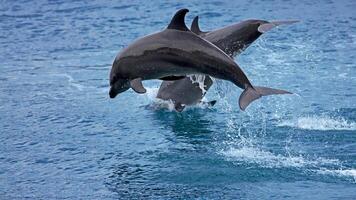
column 62, row 137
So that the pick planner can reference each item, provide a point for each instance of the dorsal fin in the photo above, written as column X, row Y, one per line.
column 195, row 27
column 177, row 21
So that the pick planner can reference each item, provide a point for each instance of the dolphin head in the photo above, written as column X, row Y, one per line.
column 117, row 86
column 118, row 82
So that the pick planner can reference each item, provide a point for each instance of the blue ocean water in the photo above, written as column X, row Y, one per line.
column 61, row 137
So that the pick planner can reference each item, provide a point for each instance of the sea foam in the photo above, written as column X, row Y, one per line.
column 339, row 172
column 268, row 159
column 323, row 123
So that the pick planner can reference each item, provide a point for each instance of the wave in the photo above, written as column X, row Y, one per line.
column 323, row 123
column 267, row 159
column 339, row 172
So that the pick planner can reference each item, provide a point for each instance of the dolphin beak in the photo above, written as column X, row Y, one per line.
column 121, row 85
column 112, row 92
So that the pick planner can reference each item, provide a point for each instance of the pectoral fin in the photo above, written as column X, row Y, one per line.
column 136, row 85
column 211, row 103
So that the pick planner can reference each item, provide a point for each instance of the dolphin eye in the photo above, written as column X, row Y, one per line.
column 113, row 80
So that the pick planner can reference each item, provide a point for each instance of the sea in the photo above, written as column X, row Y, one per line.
column 62, row 137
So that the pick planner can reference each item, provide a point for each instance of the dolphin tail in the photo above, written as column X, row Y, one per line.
column 270, row 25
column 252, row 93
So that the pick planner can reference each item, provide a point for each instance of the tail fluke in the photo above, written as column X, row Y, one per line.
column 250, row 94
column 268, row 26
column 265, row 91
column 247, row 96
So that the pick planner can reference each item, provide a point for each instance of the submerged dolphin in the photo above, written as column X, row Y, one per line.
column 176, row 52
column 232, row 39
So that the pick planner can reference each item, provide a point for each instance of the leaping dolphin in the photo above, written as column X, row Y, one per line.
column 176, row 52
column 232, row 39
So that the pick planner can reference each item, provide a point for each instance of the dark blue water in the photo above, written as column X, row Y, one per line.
column 62, row 137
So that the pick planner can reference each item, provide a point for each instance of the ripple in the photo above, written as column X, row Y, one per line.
column 211, row 14
column 123, row 7
column 22, row 16
column 268, row 159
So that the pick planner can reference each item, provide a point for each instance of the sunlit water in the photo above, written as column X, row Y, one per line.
column 62, row 137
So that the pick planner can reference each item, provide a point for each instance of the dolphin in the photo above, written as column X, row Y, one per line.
column 235, row 38
column 187, row 91
column 174, row 53
column 232, row 39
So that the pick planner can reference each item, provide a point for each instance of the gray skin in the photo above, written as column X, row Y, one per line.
column 232, row 39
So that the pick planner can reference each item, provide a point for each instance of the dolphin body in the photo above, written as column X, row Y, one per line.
column 176, row 52
column 232, row 39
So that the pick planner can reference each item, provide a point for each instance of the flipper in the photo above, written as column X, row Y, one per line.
column 177, row 21
column 179, row 107
column 195, row 27
column 136, row 85
column 252, row 93
column 209, row 103
column 212, row 103
column 270, row 25
column 172, row 78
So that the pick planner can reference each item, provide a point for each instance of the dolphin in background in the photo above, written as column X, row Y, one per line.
column 235, row 38
column 232, row 39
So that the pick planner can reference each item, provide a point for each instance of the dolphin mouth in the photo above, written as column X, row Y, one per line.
column 121, row 85
column 112, row 92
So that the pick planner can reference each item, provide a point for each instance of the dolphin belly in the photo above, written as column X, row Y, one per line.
column 188, row 91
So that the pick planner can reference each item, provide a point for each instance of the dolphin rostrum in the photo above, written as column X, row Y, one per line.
column 232, row 39
column 176, row 52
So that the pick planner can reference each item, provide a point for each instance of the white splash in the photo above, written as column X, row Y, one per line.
column 157, row 103
column 269, row 160
column 323, row 123
column 151, row 92
column 200, row 80
column 71, row 81
column 339, row 172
